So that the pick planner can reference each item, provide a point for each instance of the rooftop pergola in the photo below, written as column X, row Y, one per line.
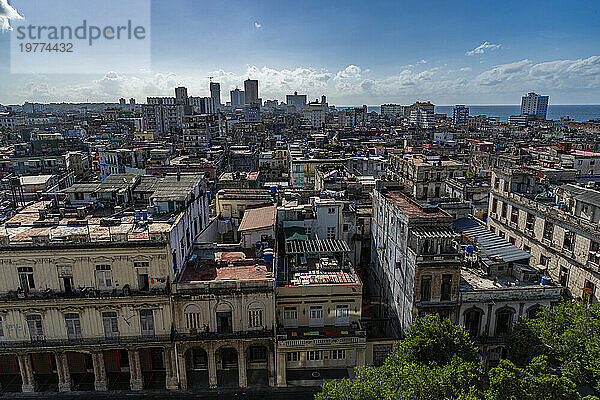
column 317, row 246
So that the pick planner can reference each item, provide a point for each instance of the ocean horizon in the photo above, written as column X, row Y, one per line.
column 577, row 112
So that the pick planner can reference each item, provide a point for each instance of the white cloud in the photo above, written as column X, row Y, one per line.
column 257, row 25
column 350, row 85
column 503, row 73
column 6, row 14
column 422, row 62
column 482, row 48
column 351, row 71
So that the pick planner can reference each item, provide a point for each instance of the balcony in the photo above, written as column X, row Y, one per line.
column 83, row 293
column 203, row 335
column 116, row 340
column 593, row 266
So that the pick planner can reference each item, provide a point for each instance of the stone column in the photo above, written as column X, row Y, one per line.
column 271, row 365
column 242, row 378
column 360, row 357
column 212, row 367
column 170, row 363
column 281, row 370
column 135, row 370
column 100, row 384
column 64, row 375
column 26, row 373
column 182, row 368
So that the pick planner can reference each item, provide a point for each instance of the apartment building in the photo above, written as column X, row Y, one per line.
column 415, row 265
column 424, row 176
column 85, row 295
column 558, row 225
column 497, row 287
column 318, row 309
column 224, row 320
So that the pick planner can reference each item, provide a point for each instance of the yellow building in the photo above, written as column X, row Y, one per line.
column 319, row 304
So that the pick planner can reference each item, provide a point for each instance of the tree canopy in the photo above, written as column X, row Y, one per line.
column 438, row 361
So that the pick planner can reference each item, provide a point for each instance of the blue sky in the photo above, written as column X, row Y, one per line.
column 355, row 52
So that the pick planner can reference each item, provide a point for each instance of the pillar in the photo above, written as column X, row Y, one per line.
column 281, row 370
column 212, row 367
column 100, row 384
column 182, row 367
column 26, row 373
column 136, row 381
column 64, row 375
column 360, row 357
column 271, row 365
column 169, row 360
column 242, row 379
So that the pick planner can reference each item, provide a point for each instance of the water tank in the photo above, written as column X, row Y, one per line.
column 546, row 280
column 469, row 249
column 268, row 255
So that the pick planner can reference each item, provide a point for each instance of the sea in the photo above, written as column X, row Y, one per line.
column 579, row 113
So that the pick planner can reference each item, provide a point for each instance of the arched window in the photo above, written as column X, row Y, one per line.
column 193, row 320
column 473, row 321
column 224, row 318
column 504, row 319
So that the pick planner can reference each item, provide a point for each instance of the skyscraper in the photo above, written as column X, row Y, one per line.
column 181, row 96
column 251, row 89
column 215, row 93
column 238, row 97
column 460, row 115
column 534, row 105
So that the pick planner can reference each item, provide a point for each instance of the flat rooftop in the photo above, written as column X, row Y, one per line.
column 476, row 279
column 412, row 209
column 226, row 266
column 26, row 226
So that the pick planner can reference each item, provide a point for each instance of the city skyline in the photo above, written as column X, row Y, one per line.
column 444, row 55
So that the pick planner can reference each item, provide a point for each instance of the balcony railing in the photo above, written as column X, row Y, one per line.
column 203, row 335
column 117, row 340
column 85, row 293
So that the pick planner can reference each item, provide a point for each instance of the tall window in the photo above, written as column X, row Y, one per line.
column 192, row 317
column 530, row 222
column 36, row 331
column 503, row 321
column 104, row 276
column 426, row 288
column 290, row 317
column 73, row 326
column 548, row 230
column 337, row 354
column 588, row 292
column 315, row 355
column 342, row 315
column 26, row 278
column 569, row 241
column 315, row 316
column 331, row 232
column 446, row 287
column 514, row 215
column 111, row 325
column 255, row 318
column 1, row 328
column 147, row 323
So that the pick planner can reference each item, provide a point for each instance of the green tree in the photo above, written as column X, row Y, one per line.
column 568, row 334
column 537, row 381
column 437, row 360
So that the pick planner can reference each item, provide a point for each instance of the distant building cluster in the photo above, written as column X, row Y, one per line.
column 197, row 243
